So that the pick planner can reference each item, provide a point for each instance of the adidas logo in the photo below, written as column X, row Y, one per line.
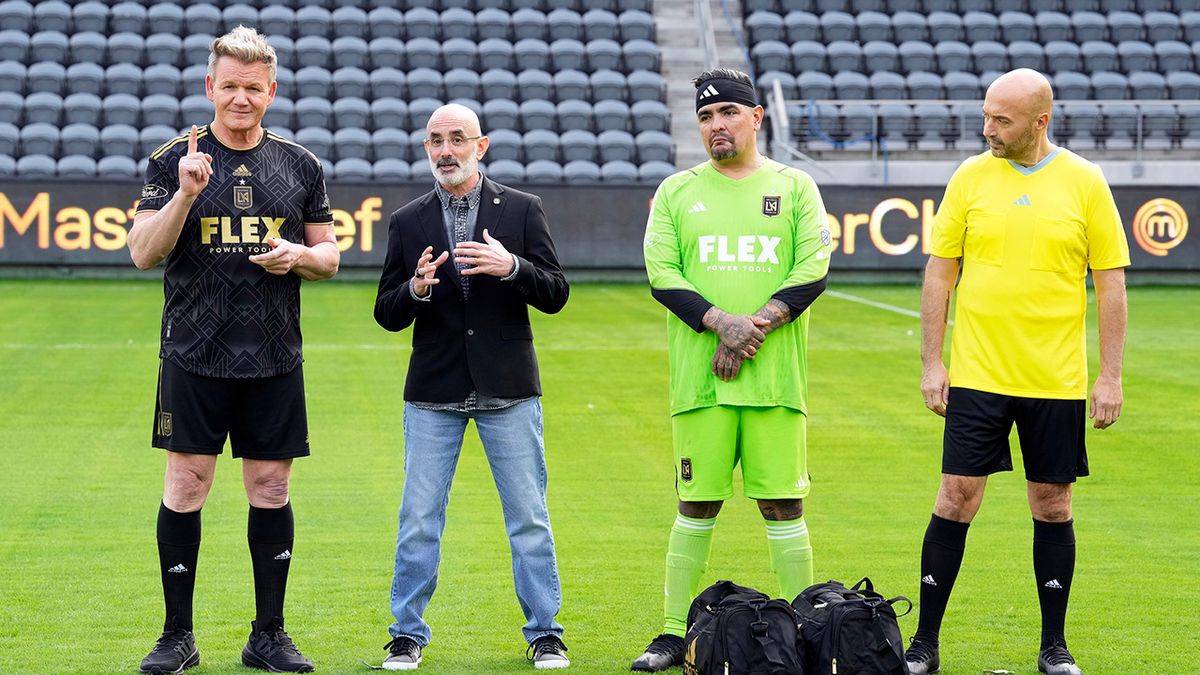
column 928, row 579
column 286, row 555
column 1053, row 583
column 1023, row 201
column 708, row 92
column 242, row 171
column 178, row 569
column 697, row 208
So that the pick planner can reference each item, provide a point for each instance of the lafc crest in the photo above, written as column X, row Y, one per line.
column 164, row 424
column 243, row 197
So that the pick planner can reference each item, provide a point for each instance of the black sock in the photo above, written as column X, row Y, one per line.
column 178, row 548
column 270, row 533
column 1053, row 568
column 941, row 556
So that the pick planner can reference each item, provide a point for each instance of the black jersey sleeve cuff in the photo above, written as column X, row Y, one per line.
column 688, row 305
column 798, row 298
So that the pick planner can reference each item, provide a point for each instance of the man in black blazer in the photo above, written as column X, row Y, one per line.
column 472, row 358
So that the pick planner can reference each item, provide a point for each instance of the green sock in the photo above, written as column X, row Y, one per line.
column 687, row 557
column 791, row 555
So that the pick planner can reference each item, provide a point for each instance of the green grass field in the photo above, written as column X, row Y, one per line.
column 80, row 487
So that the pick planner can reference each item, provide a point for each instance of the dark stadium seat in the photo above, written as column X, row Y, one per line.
column 36, row 166
column 567, row 54
column 277, row 20
column 837, row 26
column 952, row 56
column 495, row 23
column 1017, row 26
column 349, row 52
column 814, row 85
column 202, row 18
column 426, row 82
column 924, row 86
column 888, row 86
column 127, row 17
column 600, row 24
column 279, row 114
column 167, row 18
column 318, row 140
column 842, row 56
column 850, row 86
column 1135, row 55
column 119, row 139
column 530, row 53
column 1189, row 22
column 161, row 109
column 648, row 116
column 540, row 144
column 611, row 114
column 312, row 20
column 574, row 114
column 944, row 26
column 285, row 50
column 391, row 169
column 461, row 83
column 52, row 77
column 655, row 172
column 12, row 76
column 353, row 169
column 350, row 82
column 916, row 56
column 1184, row 86
column 1052, row 26
column 48, row 15
column 988, row 56
column 908, row 26
column 389, row 113
column 501, row 114
column 1161, row 26
column 350, row 112
column 46, row 107
column 386, row 52
column 351, row 143
column 581, row 171
column 388, row 83
column 76, row 166
column 762, row 26
column 10, row 138
column 1125, row 26
column 606, row 55
column 49, row 45
column 151, row 137
column 1098, row 56
column 654, row 146
column 349, row 22
column 116, row 166
column 419, row 110
column 498, row 83
column 537, row 114
column 163, row 48
column 90, row 16
column 313, row 81
column 932, row 125
column 390, row 143
column 608, row 84
column 1120, row 125
column 982, row 26
column 313, row 111
column 1062, row 56
column 1071, row 86
column 8, row 165
column 895, row 121
column 81, row 107
column 528, row 24
column 1089, row 26
column 80, row 138
column 196, row 48
column 195, row 109
column 1172, row 56
column 618, row 172
column 1026, row 55
column 636, row 24
column 802, row 26
column 85, row 47
column 459, row 53
column 772, row 55
column 423, row 52
column 808, row 55
column 873, row 25
column 570, row 84
column 961, row 86
column 85, row 78
column 386, row 22
column 880, row 57
column 766, row 84
column 123, row 109
column 506, row 170
column 1147, row 86
column 496, row 53
column 577, row 145
column 313, row 50
column 534, row 84
column 233, row 16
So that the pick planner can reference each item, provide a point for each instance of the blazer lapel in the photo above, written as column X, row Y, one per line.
column 433, row 225
column 491, row 205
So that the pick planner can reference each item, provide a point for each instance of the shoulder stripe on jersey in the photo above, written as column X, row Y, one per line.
column 273, row 136
column 201, row 133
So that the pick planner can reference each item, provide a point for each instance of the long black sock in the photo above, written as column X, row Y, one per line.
column 270, row 533
column 1053, row 567
column 941, row 556
column 178, row 548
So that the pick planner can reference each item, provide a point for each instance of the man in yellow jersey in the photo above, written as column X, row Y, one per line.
column 737, row 249
column 1026, row 220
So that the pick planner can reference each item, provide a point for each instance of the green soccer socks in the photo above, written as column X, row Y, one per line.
column 791, row 555
column 687, row 558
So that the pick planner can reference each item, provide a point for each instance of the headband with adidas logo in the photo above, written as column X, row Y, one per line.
column 724, row 90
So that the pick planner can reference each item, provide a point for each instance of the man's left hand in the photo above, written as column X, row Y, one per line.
column 1106, row 402
column 490, row 257
column 726, row 363
column 282, row 258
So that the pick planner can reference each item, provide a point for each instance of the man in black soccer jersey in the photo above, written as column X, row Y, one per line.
column 240, row 215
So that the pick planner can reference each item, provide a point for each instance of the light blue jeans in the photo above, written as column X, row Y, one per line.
column 512, row 440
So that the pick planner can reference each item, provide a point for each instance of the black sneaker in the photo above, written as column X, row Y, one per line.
column 273, row 651
column 922, row 657
column 403, row 654
column 1056, row 660
column 548, row 652
column 663, row 652
column 174, row 652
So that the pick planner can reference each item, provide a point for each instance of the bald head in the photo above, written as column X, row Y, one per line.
column 1023, row 89
column 454, row 116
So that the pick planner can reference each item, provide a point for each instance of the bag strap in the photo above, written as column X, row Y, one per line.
column 759, row 629
column 865, row 581
column 898, row 598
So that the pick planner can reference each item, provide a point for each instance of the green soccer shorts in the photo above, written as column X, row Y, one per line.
column 768, row 442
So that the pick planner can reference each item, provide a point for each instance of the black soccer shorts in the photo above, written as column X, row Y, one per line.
column 264, row 417
column 1051, row 431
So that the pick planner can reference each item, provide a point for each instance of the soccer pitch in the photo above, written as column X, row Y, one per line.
column 80, row 487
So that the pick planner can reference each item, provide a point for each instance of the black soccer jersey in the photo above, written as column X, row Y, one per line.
column 225, row 316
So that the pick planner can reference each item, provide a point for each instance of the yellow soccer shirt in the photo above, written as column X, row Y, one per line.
column 1026, row 236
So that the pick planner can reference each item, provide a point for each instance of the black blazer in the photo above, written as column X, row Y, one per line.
column 484, row 342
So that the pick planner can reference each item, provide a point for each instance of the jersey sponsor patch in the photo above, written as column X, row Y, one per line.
column 151, row 191
column 685, row 469
column 770, row 205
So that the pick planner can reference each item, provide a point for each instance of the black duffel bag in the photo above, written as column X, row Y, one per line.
column 850, row 631
column 735, row 630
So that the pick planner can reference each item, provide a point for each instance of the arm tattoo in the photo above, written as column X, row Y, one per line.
column 775, row 311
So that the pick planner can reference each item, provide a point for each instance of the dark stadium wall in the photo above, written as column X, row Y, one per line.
column 594, row 228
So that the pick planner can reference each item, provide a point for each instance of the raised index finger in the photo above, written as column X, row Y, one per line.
column 192, row 144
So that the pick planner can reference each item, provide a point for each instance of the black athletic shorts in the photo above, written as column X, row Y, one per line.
column 264, row 417
column 978, row 424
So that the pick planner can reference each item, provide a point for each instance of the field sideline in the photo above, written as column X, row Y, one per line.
column 80, row 486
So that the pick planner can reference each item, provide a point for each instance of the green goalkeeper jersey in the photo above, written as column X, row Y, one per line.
column 712, row 240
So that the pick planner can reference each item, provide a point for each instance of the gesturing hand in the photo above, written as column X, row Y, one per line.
column 490, row 257
column 427, row 265
column 284, row 255
column 195, row 168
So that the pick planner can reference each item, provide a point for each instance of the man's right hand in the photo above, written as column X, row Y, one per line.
column 741, row 333
column 935, row 388
column 427, row 265
column 195, row 168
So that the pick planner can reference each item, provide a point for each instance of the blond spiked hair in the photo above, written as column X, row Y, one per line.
column 244, row 44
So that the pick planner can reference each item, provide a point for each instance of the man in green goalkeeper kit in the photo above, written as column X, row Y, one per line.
column 737, row 249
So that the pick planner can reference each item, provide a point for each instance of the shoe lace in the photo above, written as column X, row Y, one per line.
column 1057, row 654
column 171, row 640
column 547, row 643
column 279, row 641
column 401, row 645
column 919, row 650
column 664, row 644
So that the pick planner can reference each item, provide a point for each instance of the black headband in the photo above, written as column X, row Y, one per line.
column 725, row 90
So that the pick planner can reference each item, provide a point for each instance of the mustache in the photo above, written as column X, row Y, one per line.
column 719, row 136
column 448, row 161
